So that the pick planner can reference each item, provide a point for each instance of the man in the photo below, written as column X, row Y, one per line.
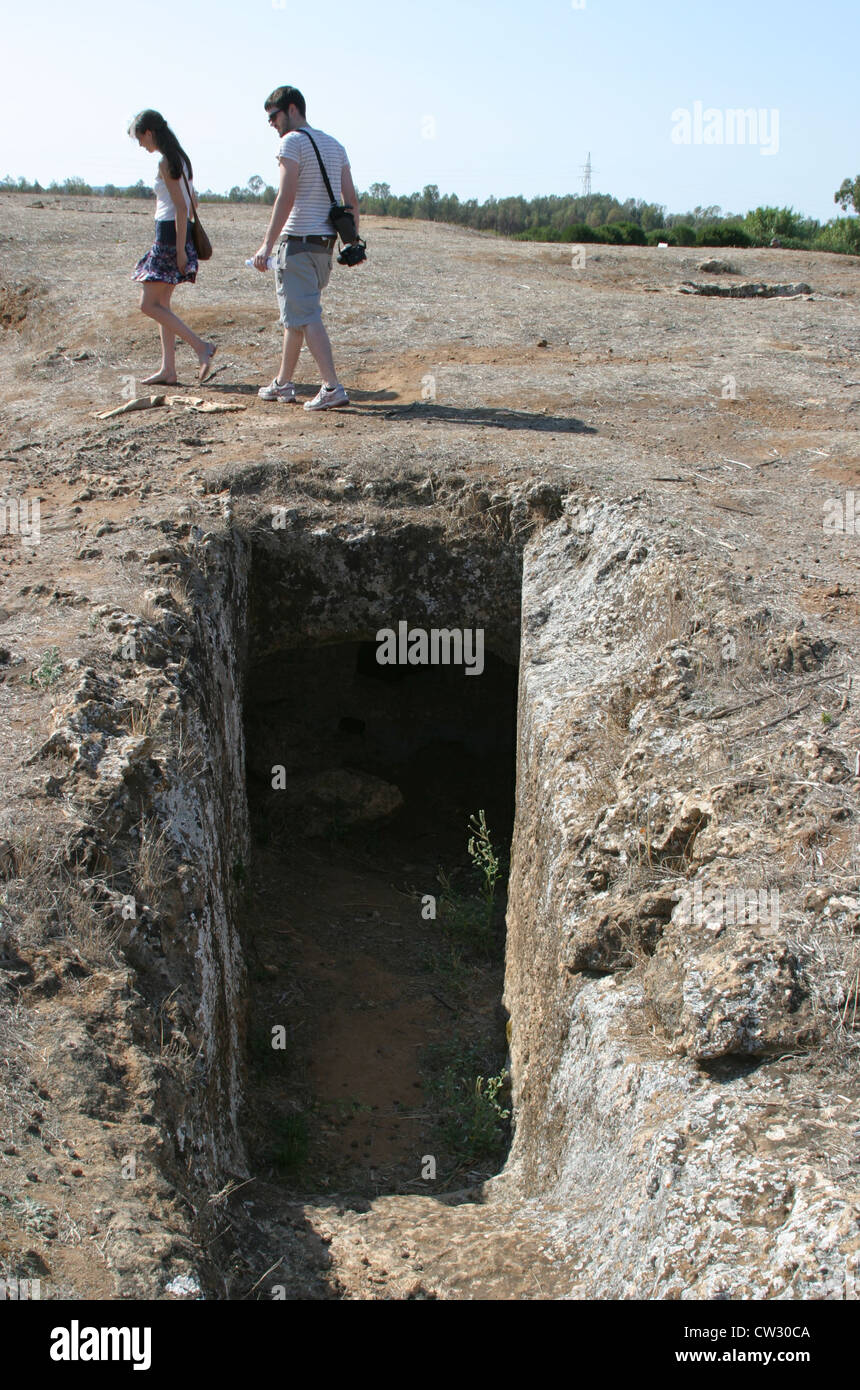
column 304, row 254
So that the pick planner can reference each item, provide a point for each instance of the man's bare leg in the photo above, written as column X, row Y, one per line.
column 293, row 339
column 320, row 348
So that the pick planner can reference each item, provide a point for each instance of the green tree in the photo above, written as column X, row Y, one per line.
column 428, row 203
column 848, row 194
column 77, row 186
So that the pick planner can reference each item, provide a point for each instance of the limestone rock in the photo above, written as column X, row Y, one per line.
column 690, row 815
column 796, row 651
column 738, row 995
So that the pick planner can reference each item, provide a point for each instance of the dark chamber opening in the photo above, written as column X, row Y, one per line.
column 389, row 1015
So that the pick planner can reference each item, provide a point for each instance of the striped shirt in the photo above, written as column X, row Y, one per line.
column 309, row 216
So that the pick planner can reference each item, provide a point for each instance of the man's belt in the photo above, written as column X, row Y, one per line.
column 315, row 240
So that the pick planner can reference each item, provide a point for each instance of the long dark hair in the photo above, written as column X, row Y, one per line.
column 165, row 141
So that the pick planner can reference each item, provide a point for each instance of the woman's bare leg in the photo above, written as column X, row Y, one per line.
column 166, row 374
column 167, row 371
column 168, row 344
column 155, row 303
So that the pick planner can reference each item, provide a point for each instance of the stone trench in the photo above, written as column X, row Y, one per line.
column 305, row 799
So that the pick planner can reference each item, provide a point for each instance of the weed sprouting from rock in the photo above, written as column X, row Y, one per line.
column 49, row 670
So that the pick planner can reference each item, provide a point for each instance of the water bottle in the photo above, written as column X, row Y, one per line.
column 270, row 263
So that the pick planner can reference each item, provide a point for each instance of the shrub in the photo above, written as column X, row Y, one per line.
column 680, row 235
column 575, row 231
column 610, row 234
column 764, row 223
column 632, row 234
column 579, row 231
column 684, row 235
column 723, row 236
column 842, row 234
column 675, row 236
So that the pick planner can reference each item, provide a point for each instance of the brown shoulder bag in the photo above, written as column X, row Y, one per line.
column 202, row 244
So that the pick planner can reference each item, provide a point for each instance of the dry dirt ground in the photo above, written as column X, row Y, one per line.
column 465, row 358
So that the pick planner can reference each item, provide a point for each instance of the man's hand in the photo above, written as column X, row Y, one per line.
column 280, row 211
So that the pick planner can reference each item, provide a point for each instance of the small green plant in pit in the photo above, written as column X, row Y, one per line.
column 49, row 670
column 290, row 1139
column 466, row 918
column 473, row 1115
column 463, row 922
column 485, row 859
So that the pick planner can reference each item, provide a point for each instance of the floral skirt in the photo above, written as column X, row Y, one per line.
column 159, row 263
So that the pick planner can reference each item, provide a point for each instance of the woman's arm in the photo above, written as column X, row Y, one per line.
column 176, row 189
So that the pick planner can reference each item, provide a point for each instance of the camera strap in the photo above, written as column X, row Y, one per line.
column 342, row 217
column 304, row 131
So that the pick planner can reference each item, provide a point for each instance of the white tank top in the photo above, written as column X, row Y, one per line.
column 164, row 209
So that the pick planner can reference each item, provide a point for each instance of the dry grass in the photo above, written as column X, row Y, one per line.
column 150, row 611
column 16, row 301
column 46, row 901
column 831, row 861
column 180, row 1058
column 601, row 765
column 16, row 1099
column 35, row 898
column 91, row 930
column 151, row 869
column 833, row 956
column 738, row 671
column 142, row 720
column 177, row 587
column 190, row 757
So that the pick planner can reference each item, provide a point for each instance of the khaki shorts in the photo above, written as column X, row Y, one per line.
column 301, row 277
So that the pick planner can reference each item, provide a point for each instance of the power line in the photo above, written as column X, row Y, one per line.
column 587, row 171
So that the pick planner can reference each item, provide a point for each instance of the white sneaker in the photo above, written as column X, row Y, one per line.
column 276, row 392
column 326, row 397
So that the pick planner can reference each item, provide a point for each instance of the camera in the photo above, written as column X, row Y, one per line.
column 354, row 253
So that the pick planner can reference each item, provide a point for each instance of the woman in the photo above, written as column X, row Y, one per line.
column 172, row 260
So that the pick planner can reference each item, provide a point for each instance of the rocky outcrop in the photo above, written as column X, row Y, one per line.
column 161, row 834
column 673, row 1107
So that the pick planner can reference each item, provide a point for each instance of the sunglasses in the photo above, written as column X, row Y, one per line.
column 274, row 114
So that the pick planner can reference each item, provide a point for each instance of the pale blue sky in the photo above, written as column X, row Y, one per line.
column 477, row 97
